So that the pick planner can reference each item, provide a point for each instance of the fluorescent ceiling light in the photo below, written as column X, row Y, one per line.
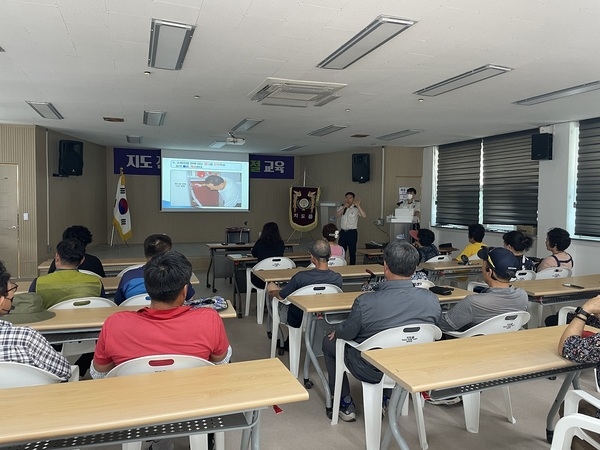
column 291, row 148
column 246, row 124
column 45, row 109
column 327, row 130
column 218, row 144
column 134, row 139
column 169, row 42
column 377, row 33
column 560, row 94
column 473, row 76
column 398, row 134
column 154, row 118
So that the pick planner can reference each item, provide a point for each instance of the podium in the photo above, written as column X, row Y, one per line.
column 236, row 235
column 400, row 224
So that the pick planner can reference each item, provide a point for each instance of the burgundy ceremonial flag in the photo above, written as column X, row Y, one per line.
column 121, row 218
column 303, row 208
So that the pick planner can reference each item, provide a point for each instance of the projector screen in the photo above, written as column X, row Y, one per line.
column 195, row 181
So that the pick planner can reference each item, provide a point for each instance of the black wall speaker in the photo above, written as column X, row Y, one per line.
column 541, row 146
column 70, row 158
column 361, row 167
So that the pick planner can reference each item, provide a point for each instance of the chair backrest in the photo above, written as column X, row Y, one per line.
column 137, row 300
column 553, row 272
column 424, row 284
column 525, row 275
column 88, row 272
column 157, row 363
column 473, row 284
column 127, row 269
column 274, row 263
column 84, row 302
column 502, row 323
column 439, row 258
column 404, row 335
column 562, row 314
column 315, row 289
column 13, row 374
column 336, row 261
column 474, row 257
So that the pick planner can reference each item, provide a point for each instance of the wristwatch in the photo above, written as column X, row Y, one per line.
column 579, row 310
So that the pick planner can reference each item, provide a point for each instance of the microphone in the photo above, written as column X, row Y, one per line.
column 240, row 242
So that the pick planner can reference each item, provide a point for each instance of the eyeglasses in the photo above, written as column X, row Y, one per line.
column 14, row 288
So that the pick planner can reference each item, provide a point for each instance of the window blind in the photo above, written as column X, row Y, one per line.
column 587, row 197
column 510, row 180
column 458, row 183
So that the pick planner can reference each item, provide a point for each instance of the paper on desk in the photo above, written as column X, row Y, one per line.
column 236, row 255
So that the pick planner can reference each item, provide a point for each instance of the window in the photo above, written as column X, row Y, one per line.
column 587, row 197
column 491, row 181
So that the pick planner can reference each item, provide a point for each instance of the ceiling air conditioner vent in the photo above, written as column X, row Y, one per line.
column 294, row 93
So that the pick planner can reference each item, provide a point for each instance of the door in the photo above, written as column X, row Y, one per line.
column 9, row 213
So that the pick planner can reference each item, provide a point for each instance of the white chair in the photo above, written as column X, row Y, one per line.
column 88, row 272
column 127, row 269
column 473, row 284
column 474, row 257
column 502, row 323
column 163, row 363
column 336, row 261
column 439, row 258
column 525, row 275
column 137, row 300
column 295, row 334
column 81, row 347
column 553, row 272
column 424, row 284
column 373, row 393
column 13, row 375
column 274, row 263
column 574, row 423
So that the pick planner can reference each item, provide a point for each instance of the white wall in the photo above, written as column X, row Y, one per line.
column 555, row 202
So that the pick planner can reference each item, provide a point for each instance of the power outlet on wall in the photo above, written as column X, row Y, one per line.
column 379, row 222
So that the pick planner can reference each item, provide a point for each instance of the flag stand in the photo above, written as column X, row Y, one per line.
column 116, row 241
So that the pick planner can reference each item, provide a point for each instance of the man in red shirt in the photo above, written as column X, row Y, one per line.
column 167, row 326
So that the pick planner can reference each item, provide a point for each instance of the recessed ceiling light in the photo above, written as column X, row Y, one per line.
column 196, row 96
column 464, row 79
column 113, row 119
column 421, row 100
column 291, row 148
column 560, row 94
column 398, row 135
column 218, row 144
column 327, row 130
column 359, row 135
column 134, row 139
column 169, row 43
column 45, row 109
column 246, row 124
column 147, row 73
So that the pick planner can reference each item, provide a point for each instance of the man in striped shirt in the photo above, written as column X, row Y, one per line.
column 23, row 344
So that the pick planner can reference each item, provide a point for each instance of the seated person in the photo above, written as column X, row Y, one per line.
column 396, row 302
column 91, row 262
column 331, row 234
column 499, row 266
column 321, row 274
column 166, row 326
column 476, row 235
column 424, row 244
column 67, row 282
column 268, row 245
column 518, row 243
column 23, row 344
column 581, row 346
column 132, row 281
column 557, row 241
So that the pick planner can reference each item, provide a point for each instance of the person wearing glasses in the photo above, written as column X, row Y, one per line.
column 23, row 344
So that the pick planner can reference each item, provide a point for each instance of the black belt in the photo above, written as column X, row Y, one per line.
column 350, row 229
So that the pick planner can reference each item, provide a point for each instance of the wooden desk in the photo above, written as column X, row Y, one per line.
column 451, row 266
column 111, row 265
column 373, row 255
column 217, row 247
column 347, row 272
column 312, row 305
column 85, row 323
column 80, row 410
column 458, row 366
column 244, row 261
column 543, row 293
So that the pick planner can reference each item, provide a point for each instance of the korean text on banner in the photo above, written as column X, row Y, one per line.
column 303, row 208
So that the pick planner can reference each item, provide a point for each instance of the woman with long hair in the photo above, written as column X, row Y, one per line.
column 268, row 245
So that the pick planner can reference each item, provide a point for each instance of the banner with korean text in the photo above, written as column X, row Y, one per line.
column 136, row 161
column 303, row 208
column 272, row 166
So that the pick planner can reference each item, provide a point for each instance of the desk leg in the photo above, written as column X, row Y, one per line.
column 556, row 405
column 398, row 398
column 210, row 264
column 311, row 323
column 251, row 436
column 536, row 309
column 237, row 296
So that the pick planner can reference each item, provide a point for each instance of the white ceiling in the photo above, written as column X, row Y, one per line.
column 88, row 58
